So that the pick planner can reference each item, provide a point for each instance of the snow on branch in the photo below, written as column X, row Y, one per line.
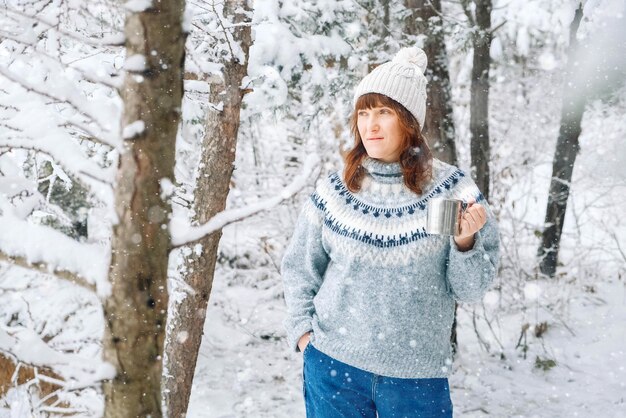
column 65, row 153
column 78, row 371
column 71, row 97
column 52, row 251
column 138, row 6
column 182, row 233
column 43, row 268
column 112, row 82
column 116, row 39
column 133, row 129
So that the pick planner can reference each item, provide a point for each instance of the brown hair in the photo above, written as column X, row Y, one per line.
column 416, row 167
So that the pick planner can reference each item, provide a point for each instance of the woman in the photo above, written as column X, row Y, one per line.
column 370, row 294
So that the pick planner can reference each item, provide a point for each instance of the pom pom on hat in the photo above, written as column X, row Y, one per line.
column 412, row 55
column 401, row 79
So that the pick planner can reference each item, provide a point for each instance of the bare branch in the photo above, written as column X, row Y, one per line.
column 493, row 332
column 619, row 247
column 558, row 318
column 11, row 127
column 442, row 16
column 494, row 29
column 484, row 344
column 232, row 54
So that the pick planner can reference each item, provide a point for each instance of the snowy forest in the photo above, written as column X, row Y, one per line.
column 154, row 156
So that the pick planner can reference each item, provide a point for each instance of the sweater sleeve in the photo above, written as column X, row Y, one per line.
column 470, row 273
column 302, row 269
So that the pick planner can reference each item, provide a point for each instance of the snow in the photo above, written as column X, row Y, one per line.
column 531, row 348
column 501, row 382
column 167, row 187
column 133, row 129
column 135, row 63
column 547, row 61
column 582, row 384
column 68, row 322
column 79, row 370
column 523, row 41
column 182, row 232
column 41, row 244
column 69, row 155
column 187, row 19
column 491, row 298
column 137, row 6
column 532, row 291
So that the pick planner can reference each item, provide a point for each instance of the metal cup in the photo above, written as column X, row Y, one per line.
column 444, row 216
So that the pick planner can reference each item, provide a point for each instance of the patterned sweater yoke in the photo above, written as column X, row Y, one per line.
column 388, row 214
column 372, row 286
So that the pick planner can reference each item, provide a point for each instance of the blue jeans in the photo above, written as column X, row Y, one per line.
column 333, row 389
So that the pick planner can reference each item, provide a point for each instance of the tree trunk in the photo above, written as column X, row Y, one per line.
column 212, row 189
column 136, row 311
column 479, row 101
column 567, row 148
column 438, row 126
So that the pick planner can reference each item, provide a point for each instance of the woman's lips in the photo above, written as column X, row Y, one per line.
column 374, row 139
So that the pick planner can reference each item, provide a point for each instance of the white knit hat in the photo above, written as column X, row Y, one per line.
column 401, row 79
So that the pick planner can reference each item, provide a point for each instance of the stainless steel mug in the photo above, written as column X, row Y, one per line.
column 444, row 215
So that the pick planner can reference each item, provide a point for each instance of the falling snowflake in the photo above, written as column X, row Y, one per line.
column 532, row 291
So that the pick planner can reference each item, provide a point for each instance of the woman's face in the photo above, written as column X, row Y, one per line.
column 380, row 132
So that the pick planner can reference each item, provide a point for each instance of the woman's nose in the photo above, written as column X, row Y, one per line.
column 372, row 124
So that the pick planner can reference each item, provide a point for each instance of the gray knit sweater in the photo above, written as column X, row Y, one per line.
column 374, row 288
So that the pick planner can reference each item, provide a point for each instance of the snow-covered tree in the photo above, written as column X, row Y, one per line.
column 62, row 124
column 221, row 44
column 58, row 145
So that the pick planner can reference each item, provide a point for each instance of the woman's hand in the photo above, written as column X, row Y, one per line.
column 304, row 341
column 474, row 218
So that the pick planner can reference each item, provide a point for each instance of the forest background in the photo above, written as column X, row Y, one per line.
column 154, row 157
